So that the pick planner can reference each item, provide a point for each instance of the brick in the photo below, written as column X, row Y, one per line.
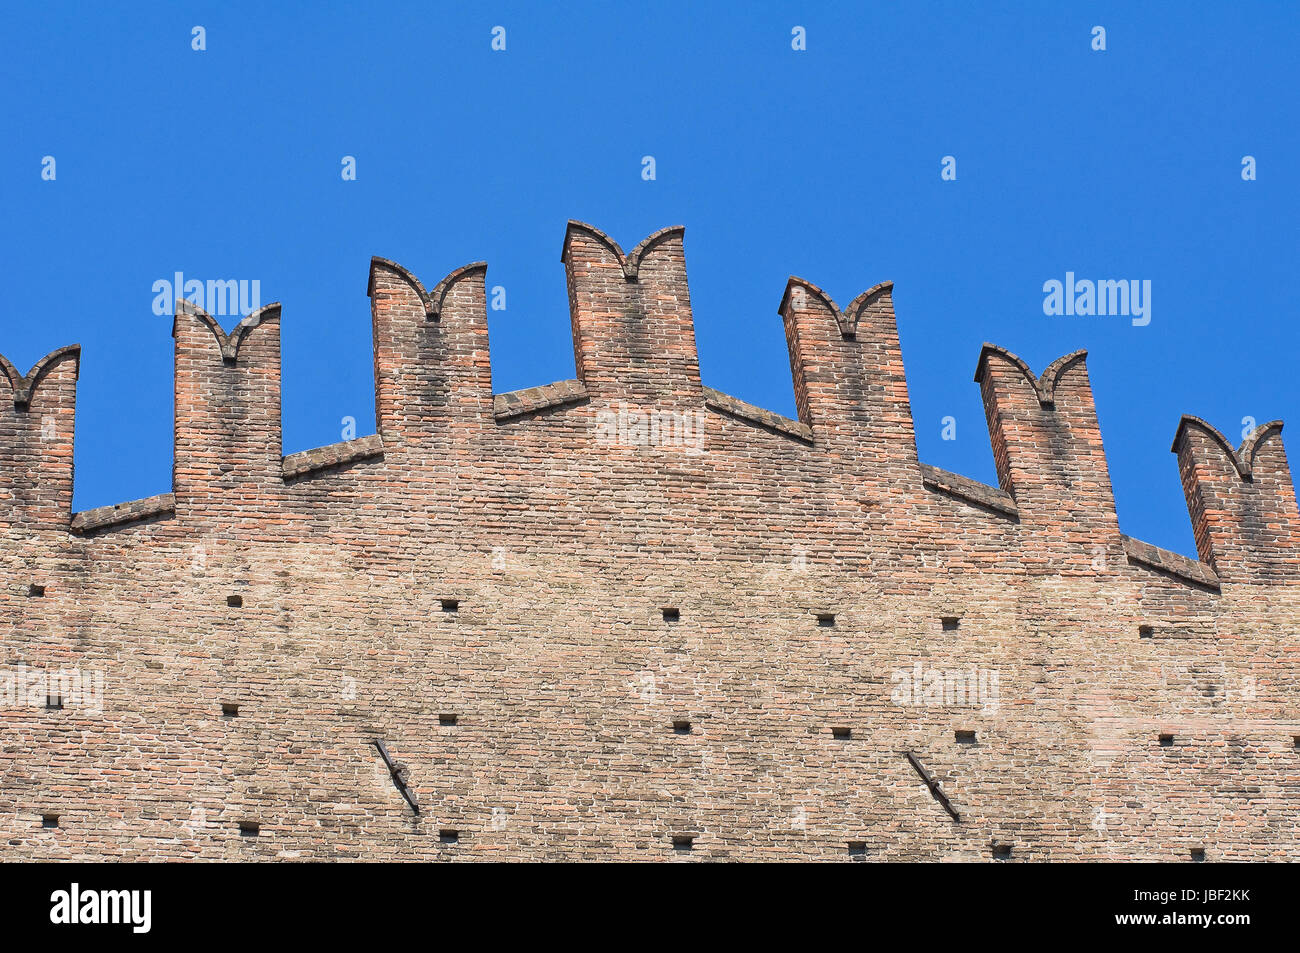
column 308, row 590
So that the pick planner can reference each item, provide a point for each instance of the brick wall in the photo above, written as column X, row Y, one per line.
column 482, row 585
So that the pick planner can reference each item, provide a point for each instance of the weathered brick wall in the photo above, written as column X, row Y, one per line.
column 562, row 535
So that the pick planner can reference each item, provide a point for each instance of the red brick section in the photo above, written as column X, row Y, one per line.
column 499, row 559
column 227, row 428
column 1049, row 456
column 633, row 335
column 408, row 388
column 1242, row 501
column 850, row 384
column 37, row 417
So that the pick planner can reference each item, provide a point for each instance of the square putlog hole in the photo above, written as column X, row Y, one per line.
column 671, row 614
column 447, row 719
column 1145, row 632
column 36, row 591
column 49, row 820
column 448, row 836
column 53, row 702
column 249, row 828
column 950, row 623
column 1198, row 854
column 229, row 711
column 841, row 732
column 965, row 736
column 683, row 842
column 235, row 602
column 681, row 727
column 450, row 605
column 826, row 619
column 857, row 848
column 1166, row 741
column 1001, row 851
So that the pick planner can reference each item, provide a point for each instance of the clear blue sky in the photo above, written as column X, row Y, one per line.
column 823, row 163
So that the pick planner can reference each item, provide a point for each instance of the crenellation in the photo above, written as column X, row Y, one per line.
column 633, row 332
column 1050, row 459
column 1242, row 501
column 227, row 411
column 628, row 616
column 405, row 344
column 850, row 384
column 37, row 429
column 22, row 385
column 389, row 268
column 463, row 363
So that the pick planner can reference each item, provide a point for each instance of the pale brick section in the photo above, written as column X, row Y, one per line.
column 483, row 586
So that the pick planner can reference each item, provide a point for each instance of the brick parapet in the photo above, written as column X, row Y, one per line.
column 509, row 559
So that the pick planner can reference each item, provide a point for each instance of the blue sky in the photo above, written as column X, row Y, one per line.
column 825, row 163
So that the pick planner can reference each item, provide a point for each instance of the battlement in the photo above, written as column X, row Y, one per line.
column 634, row 347
column 630, row 616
